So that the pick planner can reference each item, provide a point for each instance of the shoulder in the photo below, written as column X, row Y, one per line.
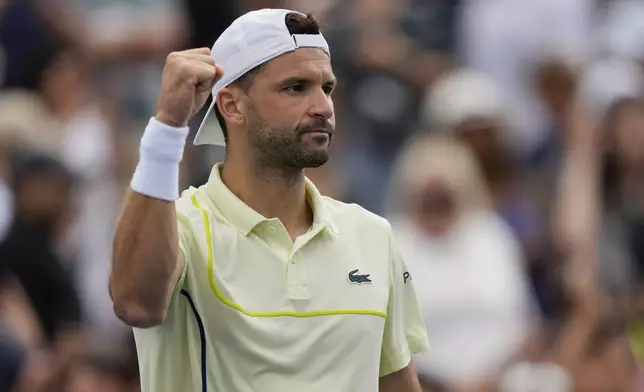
column 190, row 207
column 354, row 220
column 489, row 225
column 493, row 236
column 346, row 213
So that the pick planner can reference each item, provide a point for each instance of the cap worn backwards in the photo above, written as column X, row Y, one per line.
column 251, row 40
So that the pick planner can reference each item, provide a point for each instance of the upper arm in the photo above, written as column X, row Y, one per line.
column 404, row 380
column 404, row 333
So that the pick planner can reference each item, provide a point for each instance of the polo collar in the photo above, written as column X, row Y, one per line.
column 245, row 219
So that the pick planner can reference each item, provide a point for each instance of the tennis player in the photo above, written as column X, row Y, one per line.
column 254, row 281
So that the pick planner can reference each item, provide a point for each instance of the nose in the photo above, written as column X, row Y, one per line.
column 321, row 104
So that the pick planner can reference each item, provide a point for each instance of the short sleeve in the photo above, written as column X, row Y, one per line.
column 184, row 229
column 405, row 333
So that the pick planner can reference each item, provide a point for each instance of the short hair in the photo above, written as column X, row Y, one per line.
column 296, row 24
column 610, row 171
column 28, row 165
column 39, row 59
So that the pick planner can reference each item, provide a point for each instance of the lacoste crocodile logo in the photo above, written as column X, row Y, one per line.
column 355, row 277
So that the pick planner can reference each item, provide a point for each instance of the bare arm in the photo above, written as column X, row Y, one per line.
column 146, row 261
column 576, row 219
column 404, row 380
column 576, row 226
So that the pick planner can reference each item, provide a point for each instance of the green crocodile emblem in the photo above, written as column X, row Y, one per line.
column 355, row 277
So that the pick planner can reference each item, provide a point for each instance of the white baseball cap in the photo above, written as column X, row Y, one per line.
column 463, row 94
column 251, row 40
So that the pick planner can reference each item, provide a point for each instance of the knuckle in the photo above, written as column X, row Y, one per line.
column 172, row 57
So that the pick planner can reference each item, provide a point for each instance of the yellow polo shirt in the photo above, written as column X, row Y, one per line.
column 254, row 311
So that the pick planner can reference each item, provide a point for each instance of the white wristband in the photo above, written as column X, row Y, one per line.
column 157, row 173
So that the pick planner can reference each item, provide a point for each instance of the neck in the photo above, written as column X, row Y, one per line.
column 273, row 192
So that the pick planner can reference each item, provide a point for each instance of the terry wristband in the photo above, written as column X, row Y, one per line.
column 161, row 150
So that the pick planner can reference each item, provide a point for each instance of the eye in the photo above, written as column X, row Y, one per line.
column 327, row 90
column 295, row 89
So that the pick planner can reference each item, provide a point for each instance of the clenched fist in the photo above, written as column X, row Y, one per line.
column 188, row 78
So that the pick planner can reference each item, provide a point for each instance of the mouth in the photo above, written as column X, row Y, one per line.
column 319, row 135
column 318, row 131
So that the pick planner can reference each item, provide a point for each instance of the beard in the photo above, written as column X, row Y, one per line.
column 282, row 147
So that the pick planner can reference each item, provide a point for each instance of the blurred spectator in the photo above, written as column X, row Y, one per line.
column 472, row 107
column 386, row 53
column 474, row 294
column 58, row 112
column 584, row 346
column 509, row 40
column 32, row 274
column 622, row 231
column 22, row 25
column 44, row 198
column 99, row 374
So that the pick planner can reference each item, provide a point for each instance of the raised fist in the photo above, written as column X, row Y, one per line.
column 188, row 78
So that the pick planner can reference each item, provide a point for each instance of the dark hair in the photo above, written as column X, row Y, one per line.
column 30, row 164
column 39, row 59
column 610, row 171
column 296, row 24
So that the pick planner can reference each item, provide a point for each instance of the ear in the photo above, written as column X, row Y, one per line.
column 230, row 106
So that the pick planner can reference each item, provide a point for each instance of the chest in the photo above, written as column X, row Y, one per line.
column 263, row 291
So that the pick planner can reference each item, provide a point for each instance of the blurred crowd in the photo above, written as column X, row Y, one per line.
column 503, row 139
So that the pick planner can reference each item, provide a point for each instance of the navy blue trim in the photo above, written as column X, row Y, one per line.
column 202, row 338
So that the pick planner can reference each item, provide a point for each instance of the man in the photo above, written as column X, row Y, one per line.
column 43, row 311
column 255, row 282
column 44, row 190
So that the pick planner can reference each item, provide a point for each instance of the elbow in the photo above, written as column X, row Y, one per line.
column 137, row 315
column 132, row 310
column 136, row 302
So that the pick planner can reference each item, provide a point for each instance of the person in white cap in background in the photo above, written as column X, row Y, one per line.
column 254, row 281
column 471, row 106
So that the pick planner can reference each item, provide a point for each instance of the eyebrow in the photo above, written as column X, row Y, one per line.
column 300, row 80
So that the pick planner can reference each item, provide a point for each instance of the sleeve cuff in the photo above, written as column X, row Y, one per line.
column 402, row 359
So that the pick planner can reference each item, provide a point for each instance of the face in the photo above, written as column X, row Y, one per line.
column 47, row 202
column 437, row 207
column 629, row 135
column 64, row 83
column 288, row 111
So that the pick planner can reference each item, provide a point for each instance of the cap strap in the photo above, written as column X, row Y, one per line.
column 311, row 41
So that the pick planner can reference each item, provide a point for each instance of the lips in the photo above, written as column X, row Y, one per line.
column 318, row 130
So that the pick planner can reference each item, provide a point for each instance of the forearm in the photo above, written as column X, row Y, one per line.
column 577, row 204
column 146, row 259
column 404, row 380
column 146, row 262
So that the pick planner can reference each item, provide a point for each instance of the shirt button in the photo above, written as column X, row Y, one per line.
column 271, row 229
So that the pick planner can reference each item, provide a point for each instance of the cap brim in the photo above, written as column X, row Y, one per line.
column 210, row 133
